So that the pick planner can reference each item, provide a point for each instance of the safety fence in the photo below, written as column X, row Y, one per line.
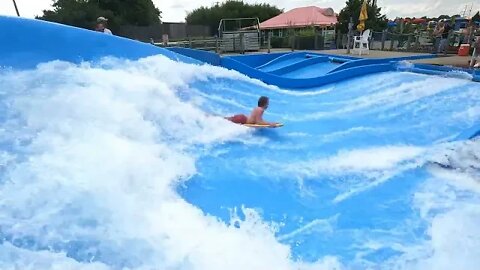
column 263, row 42
column 413, row 42
column 423, row 42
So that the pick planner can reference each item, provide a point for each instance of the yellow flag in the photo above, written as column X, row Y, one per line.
column 363, row 12
column 363, row 16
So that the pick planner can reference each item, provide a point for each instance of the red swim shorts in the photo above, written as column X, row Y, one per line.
column 238, row 119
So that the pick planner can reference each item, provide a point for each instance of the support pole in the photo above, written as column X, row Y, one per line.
column 350, row 26
column 384, row 37
column 269, row 41
column 16, row 8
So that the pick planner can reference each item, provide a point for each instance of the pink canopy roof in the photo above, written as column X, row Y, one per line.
column 301, row 17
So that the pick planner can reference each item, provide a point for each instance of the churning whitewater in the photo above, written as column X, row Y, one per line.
column 127, row 165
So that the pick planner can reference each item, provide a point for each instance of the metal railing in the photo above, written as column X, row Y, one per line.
column 385, row 41
column 207, row 44
column 413, row 42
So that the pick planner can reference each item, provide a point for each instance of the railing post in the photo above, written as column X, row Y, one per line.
column 391, row 42
column 242, row 43
column 293, row 42
column 16, row 8
column 190, row 45
column 417, row 42
column 234, row 43
column 216, row 45
column 370, row 40
column 409, row 40
column 384, row 36
column 350, row 26
column 269, row 41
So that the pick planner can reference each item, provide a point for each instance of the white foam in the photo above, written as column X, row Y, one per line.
column 107, row 147
column 361, row 169
column 448, row 204
column 459, row 74
column 459, row 164
column 343, row 133
column 360, row 160
column 452, row 239
column 304, row 93
column 323, row 226
column 405, row 65
column 103, row 148
column 403, row 93
column 13, row 258
column 470, row 114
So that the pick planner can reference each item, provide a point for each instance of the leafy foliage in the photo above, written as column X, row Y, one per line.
column 83, row 13
column 476, row 17
column 443, row 17
column 307, row 32
column 376, row 21
column 230, row 9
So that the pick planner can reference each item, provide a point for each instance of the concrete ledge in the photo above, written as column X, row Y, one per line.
column 443, row 71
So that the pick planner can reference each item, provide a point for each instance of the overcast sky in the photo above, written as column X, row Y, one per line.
column 175, row 10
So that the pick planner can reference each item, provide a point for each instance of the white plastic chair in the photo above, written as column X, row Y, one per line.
column 361, row 43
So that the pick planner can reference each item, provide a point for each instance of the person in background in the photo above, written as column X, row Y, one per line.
column 437, row 33
column 470, row 33
column 445, row 31
column 102, row 26
column 475, row 61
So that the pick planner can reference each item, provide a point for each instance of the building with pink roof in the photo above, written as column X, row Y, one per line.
column 322, row 20
column 302, row 17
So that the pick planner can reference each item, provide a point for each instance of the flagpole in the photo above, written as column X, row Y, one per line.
column 16, row 8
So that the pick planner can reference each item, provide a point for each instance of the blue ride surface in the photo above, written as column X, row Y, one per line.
column 41, row 44
column 303, row 70
column 112, row 157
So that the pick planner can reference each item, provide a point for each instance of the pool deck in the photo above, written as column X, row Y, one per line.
column 449, row 60
column 373, row 54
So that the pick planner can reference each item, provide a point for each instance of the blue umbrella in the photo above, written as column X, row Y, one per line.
column 392, row 24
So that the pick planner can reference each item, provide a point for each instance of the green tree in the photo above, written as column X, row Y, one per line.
column 443, row 17
column 132, row 12
column 83, row 13
column 376, row 21
column 230, row 9
column 476, row 17
column 72, row 12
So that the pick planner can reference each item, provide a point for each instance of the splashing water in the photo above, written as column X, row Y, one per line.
column 125, row 165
